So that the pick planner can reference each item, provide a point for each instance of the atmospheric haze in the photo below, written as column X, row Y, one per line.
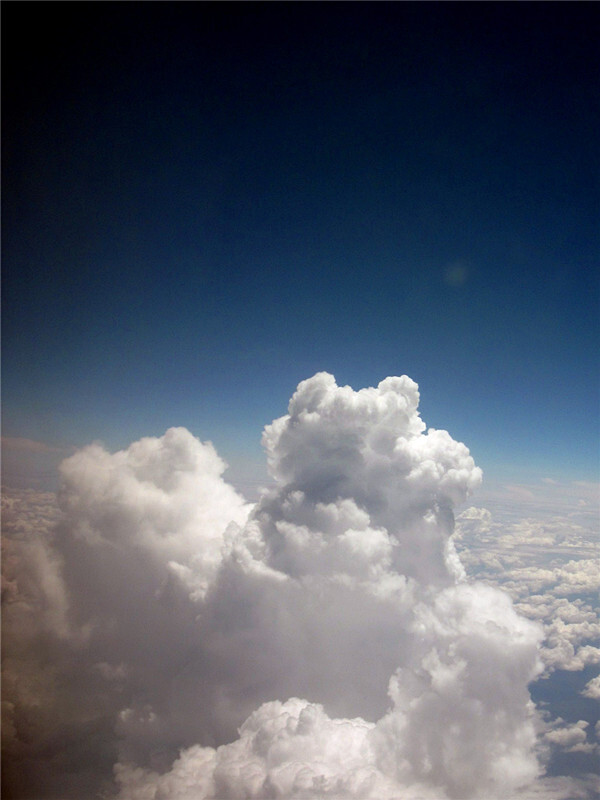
column 324, row 642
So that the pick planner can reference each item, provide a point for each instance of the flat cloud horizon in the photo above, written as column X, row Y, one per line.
column 164, row 639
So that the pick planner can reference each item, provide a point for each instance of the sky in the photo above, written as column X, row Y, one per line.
column 205, row 204
column 351, row 251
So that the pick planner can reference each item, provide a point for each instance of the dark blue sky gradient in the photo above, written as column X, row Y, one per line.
column 204, row 204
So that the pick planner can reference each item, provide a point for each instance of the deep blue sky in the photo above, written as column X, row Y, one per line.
column 204, row 204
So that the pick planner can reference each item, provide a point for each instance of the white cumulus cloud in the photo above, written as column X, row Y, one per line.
column 592, row 689
column 325, row 642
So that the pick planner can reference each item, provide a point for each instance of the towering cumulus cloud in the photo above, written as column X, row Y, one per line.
column 324, row 643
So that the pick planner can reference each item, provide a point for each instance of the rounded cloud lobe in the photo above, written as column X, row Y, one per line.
column 201, row 622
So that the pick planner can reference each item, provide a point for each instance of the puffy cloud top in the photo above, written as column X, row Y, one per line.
column 368, row 444
column 367, row 449
column 163, row 496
